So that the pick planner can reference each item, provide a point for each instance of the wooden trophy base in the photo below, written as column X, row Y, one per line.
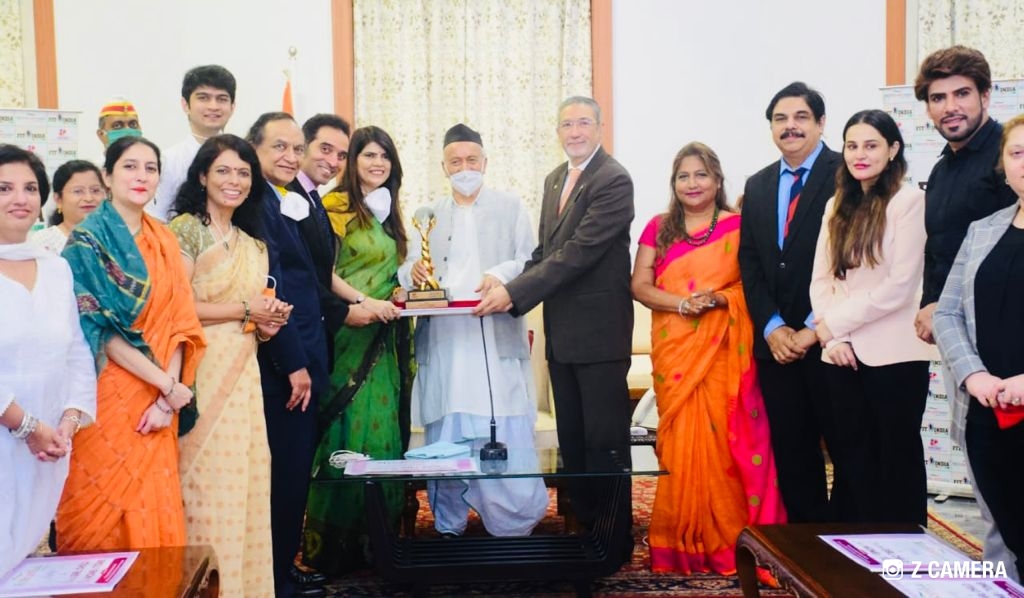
column 426, row 299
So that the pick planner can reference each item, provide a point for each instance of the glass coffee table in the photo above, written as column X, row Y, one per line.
column 578, row 557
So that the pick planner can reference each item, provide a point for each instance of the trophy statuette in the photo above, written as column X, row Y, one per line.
column 429, row 293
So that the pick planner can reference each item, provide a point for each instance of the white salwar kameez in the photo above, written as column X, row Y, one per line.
column 451, row 389
column 46, row 368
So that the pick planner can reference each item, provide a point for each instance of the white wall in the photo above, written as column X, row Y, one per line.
column 705, row 71
column 141, row 50
column 682, row 71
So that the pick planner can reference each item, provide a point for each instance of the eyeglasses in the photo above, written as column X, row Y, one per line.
column 82, row 192
column 583, row 123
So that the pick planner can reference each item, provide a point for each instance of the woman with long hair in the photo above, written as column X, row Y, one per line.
column 978, row 326
column 713, row 435
column 137, row 314
column 865, row 288
column 367, row 406
column 225, row 458
column 78, row 190
column 47, row 379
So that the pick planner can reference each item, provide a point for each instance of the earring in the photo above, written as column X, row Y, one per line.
column 59, row 210
column 202, row 188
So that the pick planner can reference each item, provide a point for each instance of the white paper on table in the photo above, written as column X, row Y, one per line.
column 869, row 550
column 956, row 588
column 411, row 466
column 76, row 574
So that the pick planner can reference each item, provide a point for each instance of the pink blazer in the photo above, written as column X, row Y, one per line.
column 874, row 308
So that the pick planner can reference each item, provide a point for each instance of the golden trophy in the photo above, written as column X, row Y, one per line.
column 429, row 293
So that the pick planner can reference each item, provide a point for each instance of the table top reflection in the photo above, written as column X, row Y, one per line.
column 528, row 463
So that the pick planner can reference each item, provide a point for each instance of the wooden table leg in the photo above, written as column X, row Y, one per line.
column 746, row 569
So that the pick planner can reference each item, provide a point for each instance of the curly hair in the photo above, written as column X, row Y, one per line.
column 192, row 198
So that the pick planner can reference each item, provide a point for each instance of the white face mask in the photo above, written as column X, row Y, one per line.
column 294, row 206
column 467, row 182
column 379, row 202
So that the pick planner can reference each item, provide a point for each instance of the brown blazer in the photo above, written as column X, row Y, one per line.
column 581, row 266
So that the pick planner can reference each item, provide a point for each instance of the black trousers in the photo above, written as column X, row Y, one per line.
column 292, row 436
column 798, row 416
column 995, row 457
column 592, row 409
column 876, row 442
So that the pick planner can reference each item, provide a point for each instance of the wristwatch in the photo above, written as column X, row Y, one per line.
column 360, row 299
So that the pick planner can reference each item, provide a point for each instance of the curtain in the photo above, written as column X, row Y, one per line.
column 500, row 67
column 995, row 27
column 12, row 84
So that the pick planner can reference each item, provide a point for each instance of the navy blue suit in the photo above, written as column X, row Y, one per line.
column 300, row 344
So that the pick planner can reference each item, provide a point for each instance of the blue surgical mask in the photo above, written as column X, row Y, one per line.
column 115, row 134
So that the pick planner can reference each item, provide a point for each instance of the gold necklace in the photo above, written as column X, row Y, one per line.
column 223, row 237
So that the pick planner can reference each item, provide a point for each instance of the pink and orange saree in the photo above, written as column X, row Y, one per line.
column 713, row 432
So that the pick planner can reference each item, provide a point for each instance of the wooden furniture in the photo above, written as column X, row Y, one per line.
column 169, row 572
column 805, row 565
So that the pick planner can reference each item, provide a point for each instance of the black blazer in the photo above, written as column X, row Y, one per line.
column 774, row 280
column 323, row 250
column 581, row 266
column 300, row 344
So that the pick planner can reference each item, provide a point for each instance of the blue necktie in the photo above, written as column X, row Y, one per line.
column 321, row 214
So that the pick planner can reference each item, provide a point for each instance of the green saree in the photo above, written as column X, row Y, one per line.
column 365, row 409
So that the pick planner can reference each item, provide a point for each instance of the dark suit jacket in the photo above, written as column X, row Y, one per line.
column 774, row 280
column 323, row 251
column 581, row 266
column 300, row 344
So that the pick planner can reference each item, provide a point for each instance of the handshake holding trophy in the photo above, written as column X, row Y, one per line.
column 428, row 294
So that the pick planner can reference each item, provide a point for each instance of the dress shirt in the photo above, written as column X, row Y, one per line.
column 786, row 180
column 963, row 187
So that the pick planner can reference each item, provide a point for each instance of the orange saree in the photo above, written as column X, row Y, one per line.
column 712, row 433
column 123, row 489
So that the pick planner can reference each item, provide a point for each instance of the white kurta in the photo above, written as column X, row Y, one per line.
column 46, row 368
column 451, row 391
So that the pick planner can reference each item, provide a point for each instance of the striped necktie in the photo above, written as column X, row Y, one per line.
column 794, row 196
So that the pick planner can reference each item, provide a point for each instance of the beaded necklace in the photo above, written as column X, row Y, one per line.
column 698, row 241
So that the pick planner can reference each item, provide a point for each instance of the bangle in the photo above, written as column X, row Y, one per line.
column 28, row 425
column 248, row 314
column 167, row 411
column 174, row 381
column 73, row 418
column 260, row 338
column 682, row 303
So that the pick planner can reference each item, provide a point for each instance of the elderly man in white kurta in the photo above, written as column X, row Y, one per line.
column 481, row 237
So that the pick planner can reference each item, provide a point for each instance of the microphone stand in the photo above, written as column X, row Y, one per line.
column 494, row 454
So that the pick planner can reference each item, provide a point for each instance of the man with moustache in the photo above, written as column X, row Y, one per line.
column 783, row 206
column 293, row 364
column 482, row 238
column 208, row 100
column 955, row 84
column 580, row 269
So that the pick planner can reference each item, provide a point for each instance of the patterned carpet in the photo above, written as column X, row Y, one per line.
column 634, row 579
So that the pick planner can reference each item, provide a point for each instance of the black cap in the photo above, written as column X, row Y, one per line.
column 461, row 132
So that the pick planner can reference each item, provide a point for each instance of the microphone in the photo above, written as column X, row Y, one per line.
column 494, row 454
